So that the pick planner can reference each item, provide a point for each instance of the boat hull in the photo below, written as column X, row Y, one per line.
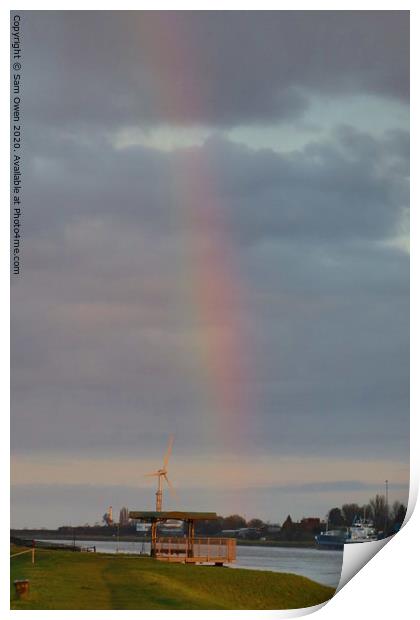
column 330, row 542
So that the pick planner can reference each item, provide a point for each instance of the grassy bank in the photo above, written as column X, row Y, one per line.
column 66, row 580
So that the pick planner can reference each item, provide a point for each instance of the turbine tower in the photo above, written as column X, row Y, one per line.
column 163, row 474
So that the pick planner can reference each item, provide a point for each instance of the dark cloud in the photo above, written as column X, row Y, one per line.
column 324, row 298
column 214, row 68
column 352, row 186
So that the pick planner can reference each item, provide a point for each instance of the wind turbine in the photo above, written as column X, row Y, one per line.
column 162, row 474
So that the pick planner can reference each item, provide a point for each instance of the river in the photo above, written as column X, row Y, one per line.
column 317, row 564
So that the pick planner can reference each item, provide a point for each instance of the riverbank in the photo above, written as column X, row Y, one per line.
column 65, row 580
column 53, row 535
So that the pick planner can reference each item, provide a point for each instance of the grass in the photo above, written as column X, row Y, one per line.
column 66, row 580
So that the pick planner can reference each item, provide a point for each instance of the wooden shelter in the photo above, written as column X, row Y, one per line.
column 186, row 548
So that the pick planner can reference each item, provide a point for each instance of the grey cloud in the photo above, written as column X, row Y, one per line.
column 352, row 186
column 213, row 68
column 324, row 306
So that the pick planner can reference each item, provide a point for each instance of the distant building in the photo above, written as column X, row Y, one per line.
column 309, row 523
column 273, row 528
column 249, row 533
column 303, row 530
column 124, row 520
column 107, row 518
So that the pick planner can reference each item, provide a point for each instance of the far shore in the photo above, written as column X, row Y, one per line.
column 54, row 535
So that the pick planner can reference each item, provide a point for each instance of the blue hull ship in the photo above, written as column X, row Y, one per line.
column 361, row 531
column 333, row 539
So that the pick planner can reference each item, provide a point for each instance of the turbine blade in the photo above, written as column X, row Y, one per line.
column 168, row 451
column 155, row 473
column 171, row 488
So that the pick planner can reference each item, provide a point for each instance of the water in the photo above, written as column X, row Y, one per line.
column 317, row 564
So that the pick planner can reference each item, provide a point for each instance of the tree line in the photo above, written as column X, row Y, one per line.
column 384, row 517
column 387, row 519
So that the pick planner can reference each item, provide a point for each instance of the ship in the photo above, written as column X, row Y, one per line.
column 360, row 531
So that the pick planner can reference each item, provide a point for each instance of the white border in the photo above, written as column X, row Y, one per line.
column 387, row 586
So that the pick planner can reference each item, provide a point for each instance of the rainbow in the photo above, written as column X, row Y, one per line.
column 214, row 298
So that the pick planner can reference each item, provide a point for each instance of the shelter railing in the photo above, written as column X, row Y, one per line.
column 196, row 550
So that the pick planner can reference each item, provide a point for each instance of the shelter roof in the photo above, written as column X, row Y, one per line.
column 178, row 515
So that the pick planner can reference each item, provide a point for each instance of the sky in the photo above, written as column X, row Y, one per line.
column 215, row 245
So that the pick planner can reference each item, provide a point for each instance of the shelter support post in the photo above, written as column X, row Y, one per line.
column 154, row 538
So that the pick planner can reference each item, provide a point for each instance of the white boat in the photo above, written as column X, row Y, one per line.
column 362, row 530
